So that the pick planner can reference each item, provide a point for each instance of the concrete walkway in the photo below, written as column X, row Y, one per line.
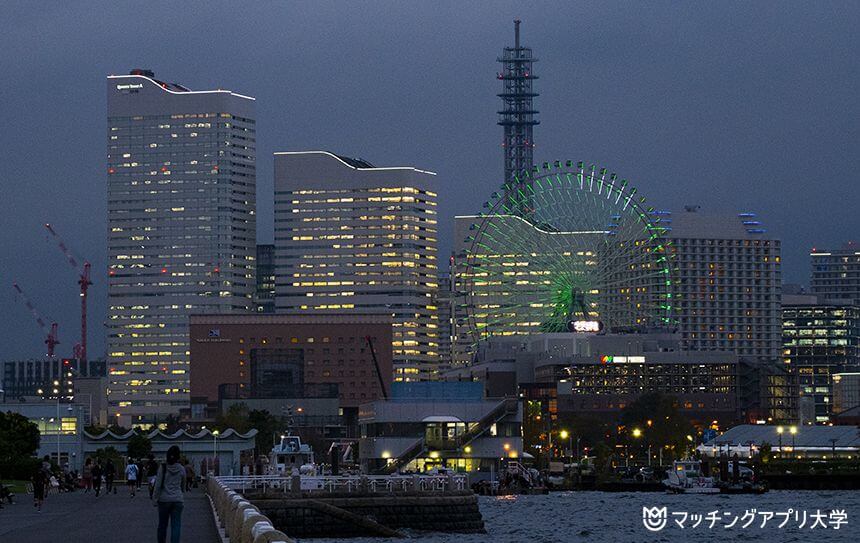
column 78, row 517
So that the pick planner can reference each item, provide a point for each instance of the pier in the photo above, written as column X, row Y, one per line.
column 352, row 506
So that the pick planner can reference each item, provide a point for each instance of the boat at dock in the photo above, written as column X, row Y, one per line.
column 291, row 456
column 686, row 477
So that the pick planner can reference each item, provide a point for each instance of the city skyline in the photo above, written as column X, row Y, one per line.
column 691, row 113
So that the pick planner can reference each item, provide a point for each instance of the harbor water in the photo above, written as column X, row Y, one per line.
column 618, row 518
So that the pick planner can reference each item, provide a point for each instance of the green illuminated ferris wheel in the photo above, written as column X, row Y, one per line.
column 566, row 248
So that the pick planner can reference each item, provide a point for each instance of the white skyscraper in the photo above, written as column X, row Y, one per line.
column 181, row 177
column 352, row 238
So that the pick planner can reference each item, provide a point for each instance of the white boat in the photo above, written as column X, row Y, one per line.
column 686, row 477
column 291, row 457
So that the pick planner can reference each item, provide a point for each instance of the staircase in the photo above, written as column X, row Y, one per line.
column 507, row 407
column 414, row 451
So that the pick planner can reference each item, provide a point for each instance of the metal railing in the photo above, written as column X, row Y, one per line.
column 374, row 484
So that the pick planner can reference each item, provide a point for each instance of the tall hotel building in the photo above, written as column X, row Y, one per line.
column 181, row 179
column 353, row 238
column 729, row 283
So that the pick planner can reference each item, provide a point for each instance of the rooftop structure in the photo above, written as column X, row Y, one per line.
column 518, row 115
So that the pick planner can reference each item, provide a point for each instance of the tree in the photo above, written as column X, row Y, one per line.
column 171, row 424
column 654, row 419
column 139, row 446
column 266, row 425
column 108, row 453
column 235, row 417
column 19, row 441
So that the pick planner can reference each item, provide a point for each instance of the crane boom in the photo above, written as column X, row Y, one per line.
column 83, row 282
column 51, row 340
column 376, row 364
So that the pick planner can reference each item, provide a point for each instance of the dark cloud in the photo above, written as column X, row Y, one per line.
column 735, row 106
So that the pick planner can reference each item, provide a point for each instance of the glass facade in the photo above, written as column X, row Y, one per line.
column 818, row 342
column 182, row 236
column 361, row 242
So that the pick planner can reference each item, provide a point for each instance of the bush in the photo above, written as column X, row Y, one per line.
column 21, row 468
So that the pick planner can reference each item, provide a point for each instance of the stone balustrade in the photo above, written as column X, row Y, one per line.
column 240, row 520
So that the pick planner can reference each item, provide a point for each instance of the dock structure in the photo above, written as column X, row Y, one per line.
column 358, row 506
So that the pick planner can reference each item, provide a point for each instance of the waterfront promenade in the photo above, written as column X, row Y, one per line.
column 78, row 517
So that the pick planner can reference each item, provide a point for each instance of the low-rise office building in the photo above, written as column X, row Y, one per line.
column 280, row 352
column 600, row 374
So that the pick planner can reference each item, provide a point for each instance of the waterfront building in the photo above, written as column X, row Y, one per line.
column 283, row 355
column 820, row 339
column 836, row 273
column 440, row 424
column 728, row 284
column 218, row 453
column 181, row 231
column 600, row 375
column 264, row 295
column 747, row 440
column 351, row 238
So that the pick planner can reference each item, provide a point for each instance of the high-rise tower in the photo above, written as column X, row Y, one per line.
column 518, row 115
column 181, row 183
column 351, row 238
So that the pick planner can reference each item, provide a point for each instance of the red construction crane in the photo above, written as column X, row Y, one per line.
column 51, row 340
column 84, row 282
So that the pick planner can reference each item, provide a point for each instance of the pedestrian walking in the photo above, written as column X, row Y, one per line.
column 98, row 474
column 168, row 496
column 131, row 474
column 189, row 476
column 40, row 482
column 151, row 473
column 139, row 464
column 110, row 473
column 87, row 475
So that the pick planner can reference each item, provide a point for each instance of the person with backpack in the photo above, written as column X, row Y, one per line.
column 131, row 475
column 168, row 496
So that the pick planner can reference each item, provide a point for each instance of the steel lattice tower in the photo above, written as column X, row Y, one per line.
column 518, row 115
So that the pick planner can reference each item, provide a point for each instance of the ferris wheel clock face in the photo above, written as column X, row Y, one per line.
column 567, row 248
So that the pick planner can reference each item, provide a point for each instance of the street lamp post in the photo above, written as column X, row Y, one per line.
column 780, row 430
column 564, row 434
column 793, row 432
column 214, row 450
column 637, row 433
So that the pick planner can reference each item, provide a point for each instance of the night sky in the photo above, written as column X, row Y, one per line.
column 736, row 106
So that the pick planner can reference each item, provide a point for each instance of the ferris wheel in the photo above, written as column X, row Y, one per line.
column 566, row 248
